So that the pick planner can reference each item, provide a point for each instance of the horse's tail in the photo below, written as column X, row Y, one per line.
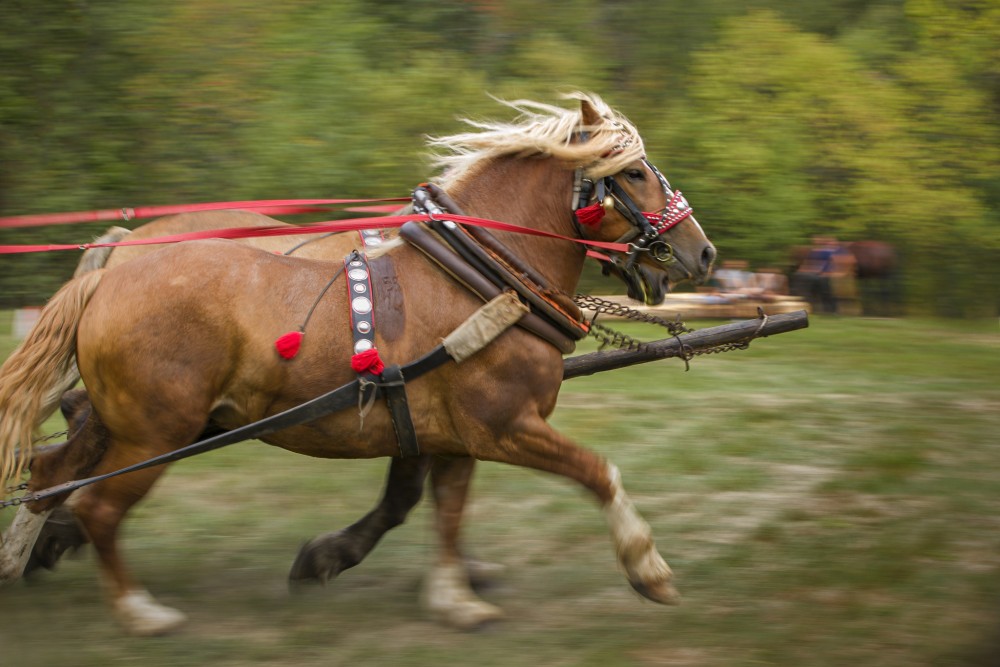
column 92, row 260
column 96, row 258
column 37, row 369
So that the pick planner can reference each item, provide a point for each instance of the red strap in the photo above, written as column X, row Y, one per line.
column 272, row 206
column 352, row 224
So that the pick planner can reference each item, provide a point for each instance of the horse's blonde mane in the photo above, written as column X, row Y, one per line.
column 543, row 130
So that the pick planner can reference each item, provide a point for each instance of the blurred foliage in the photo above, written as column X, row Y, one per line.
column 779, row 119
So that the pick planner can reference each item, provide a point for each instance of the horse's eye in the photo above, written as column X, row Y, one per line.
column 635, row 174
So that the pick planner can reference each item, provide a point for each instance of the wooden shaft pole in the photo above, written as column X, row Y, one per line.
column 596, row 362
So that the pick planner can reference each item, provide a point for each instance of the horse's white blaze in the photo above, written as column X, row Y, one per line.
column 633, row 539
column 18, row 542
column 447, row 595
column 143, row 616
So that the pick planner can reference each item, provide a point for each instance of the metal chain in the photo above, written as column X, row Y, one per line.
column 23, row 486
column 50, row 436
column 608, row 337
column 604, row 306
column 14, row 502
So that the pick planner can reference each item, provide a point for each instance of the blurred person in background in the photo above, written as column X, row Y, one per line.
column 826, row 276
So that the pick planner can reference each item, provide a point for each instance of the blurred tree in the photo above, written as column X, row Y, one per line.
column 788, row 134
column 866, row 118
column 63, row 135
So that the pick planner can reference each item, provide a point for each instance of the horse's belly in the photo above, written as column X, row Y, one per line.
column 341, row 436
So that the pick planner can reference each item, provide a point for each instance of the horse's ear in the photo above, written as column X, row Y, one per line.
column 589, row 117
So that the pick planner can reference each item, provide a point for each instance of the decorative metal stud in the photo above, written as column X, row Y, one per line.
column 361, row 305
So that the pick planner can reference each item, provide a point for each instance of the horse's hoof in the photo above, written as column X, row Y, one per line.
column 143, row 616
column 305, row 570
column 321, row 560
column 467, row 614
column 483, row 574
column 662, row 592
column 449, row 599
column 652, row 578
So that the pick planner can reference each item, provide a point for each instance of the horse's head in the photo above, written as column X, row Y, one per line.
column 619, row 196
column 623, row 198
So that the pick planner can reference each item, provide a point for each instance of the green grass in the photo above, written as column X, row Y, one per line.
column 829, row 497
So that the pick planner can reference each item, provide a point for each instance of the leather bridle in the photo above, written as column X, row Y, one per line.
column 645, row 236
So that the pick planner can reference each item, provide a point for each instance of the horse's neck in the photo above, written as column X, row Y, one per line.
column 529, row 193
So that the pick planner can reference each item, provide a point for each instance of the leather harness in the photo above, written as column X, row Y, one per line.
column 479, row 262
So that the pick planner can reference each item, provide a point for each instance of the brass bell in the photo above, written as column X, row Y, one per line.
column 608, row 204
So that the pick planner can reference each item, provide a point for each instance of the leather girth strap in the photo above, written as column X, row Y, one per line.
column 394, row 386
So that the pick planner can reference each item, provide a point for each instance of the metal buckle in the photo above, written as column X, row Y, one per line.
column 661, row 251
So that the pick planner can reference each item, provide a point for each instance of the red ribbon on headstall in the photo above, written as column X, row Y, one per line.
column 367, row 362
column 590, row 216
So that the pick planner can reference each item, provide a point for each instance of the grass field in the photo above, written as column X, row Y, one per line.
column 829, row 497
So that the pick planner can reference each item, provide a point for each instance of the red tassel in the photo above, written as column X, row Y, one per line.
column 367, row 362
column 289, row 344
column 590, row 216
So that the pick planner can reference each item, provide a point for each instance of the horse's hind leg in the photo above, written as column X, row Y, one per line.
column 327, row 556
column 447, row 592
column 101, row 512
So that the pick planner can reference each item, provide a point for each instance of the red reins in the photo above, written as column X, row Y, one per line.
column 272, row 206
column 352, row 224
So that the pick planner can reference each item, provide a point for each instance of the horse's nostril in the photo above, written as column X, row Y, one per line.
column 707, row 257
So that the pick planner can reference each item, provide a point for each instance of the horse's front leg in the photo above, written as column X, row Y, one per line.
column 447, row 592
column 533, row 443
column 326, row 556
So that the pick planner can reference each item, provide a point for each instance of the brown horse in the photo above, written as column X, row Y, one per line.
column 170, row 342
column 328, row 555
column 325, row 557
column 877, row 270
